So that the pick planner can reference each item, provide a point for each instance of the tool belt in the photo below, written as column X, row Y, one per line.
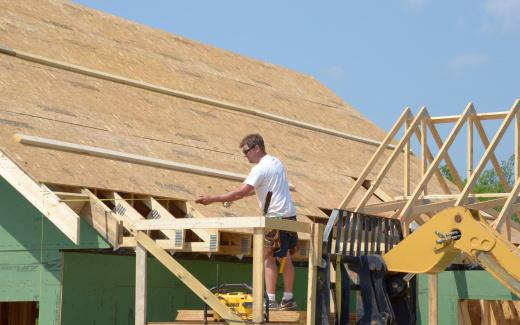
column 278, row 243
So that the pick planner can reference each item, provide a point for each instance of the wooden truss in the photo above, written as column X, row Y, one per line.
column 160, row 226
column 417, row 204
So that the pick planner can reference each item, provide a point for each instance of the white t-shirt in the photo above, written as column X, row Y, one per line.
column 269, row 176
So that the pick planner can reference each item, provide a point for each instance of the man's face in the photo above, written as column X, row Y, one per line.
column 250, row 153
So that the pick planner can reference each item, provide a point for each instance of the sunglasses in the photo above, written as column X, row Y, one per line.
column 247, row 150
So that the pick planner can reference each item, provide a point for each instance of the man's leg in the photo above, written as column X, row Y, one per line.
column 271, row 274
column 288, row 274
column 287, row 302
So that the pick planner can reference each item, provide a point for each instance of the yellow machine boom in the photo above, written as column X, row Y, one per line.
column 434, row 245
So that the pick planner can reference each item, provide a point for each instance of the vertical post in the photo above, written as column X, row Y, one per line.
column 469, row 161
column 424, row 148
column 315, row 248
column 258, row 275
column 484, row 306
column 407, row 163
column 432, row 299
column 140, row 285
column 517, row 146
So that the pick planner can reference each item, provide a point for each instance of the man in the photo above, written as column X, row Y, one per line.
column 267, row 176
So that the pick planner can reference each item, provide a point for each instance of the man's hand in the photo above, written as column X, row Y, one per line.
column 205, row 199
column 242, row 191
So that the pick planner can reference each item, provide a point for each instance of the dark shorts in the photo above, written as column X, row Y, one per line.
column 272, row 244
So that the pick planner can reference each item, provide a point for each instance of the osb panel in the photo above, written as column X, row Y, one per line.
column 75, row 34
column 56, row 104
column 79, row 109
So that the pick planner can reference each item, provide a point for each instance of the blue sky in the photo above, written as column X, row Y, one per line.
column 379, row 56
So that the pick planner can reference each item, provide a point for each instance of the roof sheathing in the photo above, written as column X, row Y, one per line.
column 66, row 106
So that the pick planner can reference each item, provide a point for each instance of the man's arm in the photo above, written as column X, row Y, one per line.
column 242, row 191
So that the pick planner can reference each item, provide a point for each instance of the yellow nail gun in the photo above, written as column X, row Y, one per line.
column 239, row 298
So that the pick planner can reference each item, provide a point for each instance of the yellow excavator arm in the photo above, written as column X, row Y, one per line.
column 434, row 245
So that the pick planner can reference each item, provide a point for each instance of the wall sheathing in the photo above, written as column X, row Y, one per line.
column 454, row 286
column 30, row 258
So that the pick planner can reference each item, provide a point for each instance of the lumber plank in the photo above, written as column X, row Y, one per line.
column 405, row 214
column 208, row 235
column 489, row 150
column 478, row 116
column 75, row 201
column 42, row 198
column 432, row 299
column 492, row 157
column 258, row 275
column 184, row 95
column 102, row 219
column 373, row 160
column 464, row 313
column 127, row 157
column 187, row 278
column 507, row 209
column 275, row 316
column 315, row 252
column 447, row 158
column 391, row 159
column 140, row 285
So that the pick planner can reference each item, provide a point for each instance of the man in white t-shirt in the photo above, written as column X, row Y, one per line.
column 268, row 180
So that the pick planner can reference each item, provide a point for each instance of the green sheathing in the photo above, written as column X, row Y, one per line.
column 99, row 289
column 456, row 285
column 30, row 260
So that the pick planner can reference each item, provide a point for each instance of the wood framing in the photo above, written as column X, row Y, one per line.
column 416, row 204
column 189, row 280
column 141, row 270
column 42, row 198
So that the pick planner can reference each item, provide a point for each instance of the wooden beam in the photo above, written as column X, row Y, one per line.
column 375, row 157
column 168, row 244
column 517, row 145
column 489, row 204
column 455, row 196
column 258, row 275
column 140, row 285
column 465, row 318
column 180, row 94
column 429, row 156
column 492, row 157
column 405, row 214
column 187, row 278
column 75, row 201
column 315, row 253
column 429, row 207
column 482, row 163
column 287, row 225
column 158, row 211
column 406, row 171
column 469, row 142
column 42, row 198
column 127, row 157
column 484, row 306
column 223, row 223
column 102, row 219
column 507, row 209
column 447, row 159
column 391, row 159
column 424, row 145
column 432, row 299
column 208, row 235
column 380, row 207
column 479, row 116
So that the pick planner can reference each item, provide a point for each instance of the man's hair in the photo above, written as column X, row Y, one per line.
column 251, row 140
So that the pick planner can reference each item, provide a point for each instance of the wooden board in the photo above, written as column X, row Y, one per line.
column 90, row 111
